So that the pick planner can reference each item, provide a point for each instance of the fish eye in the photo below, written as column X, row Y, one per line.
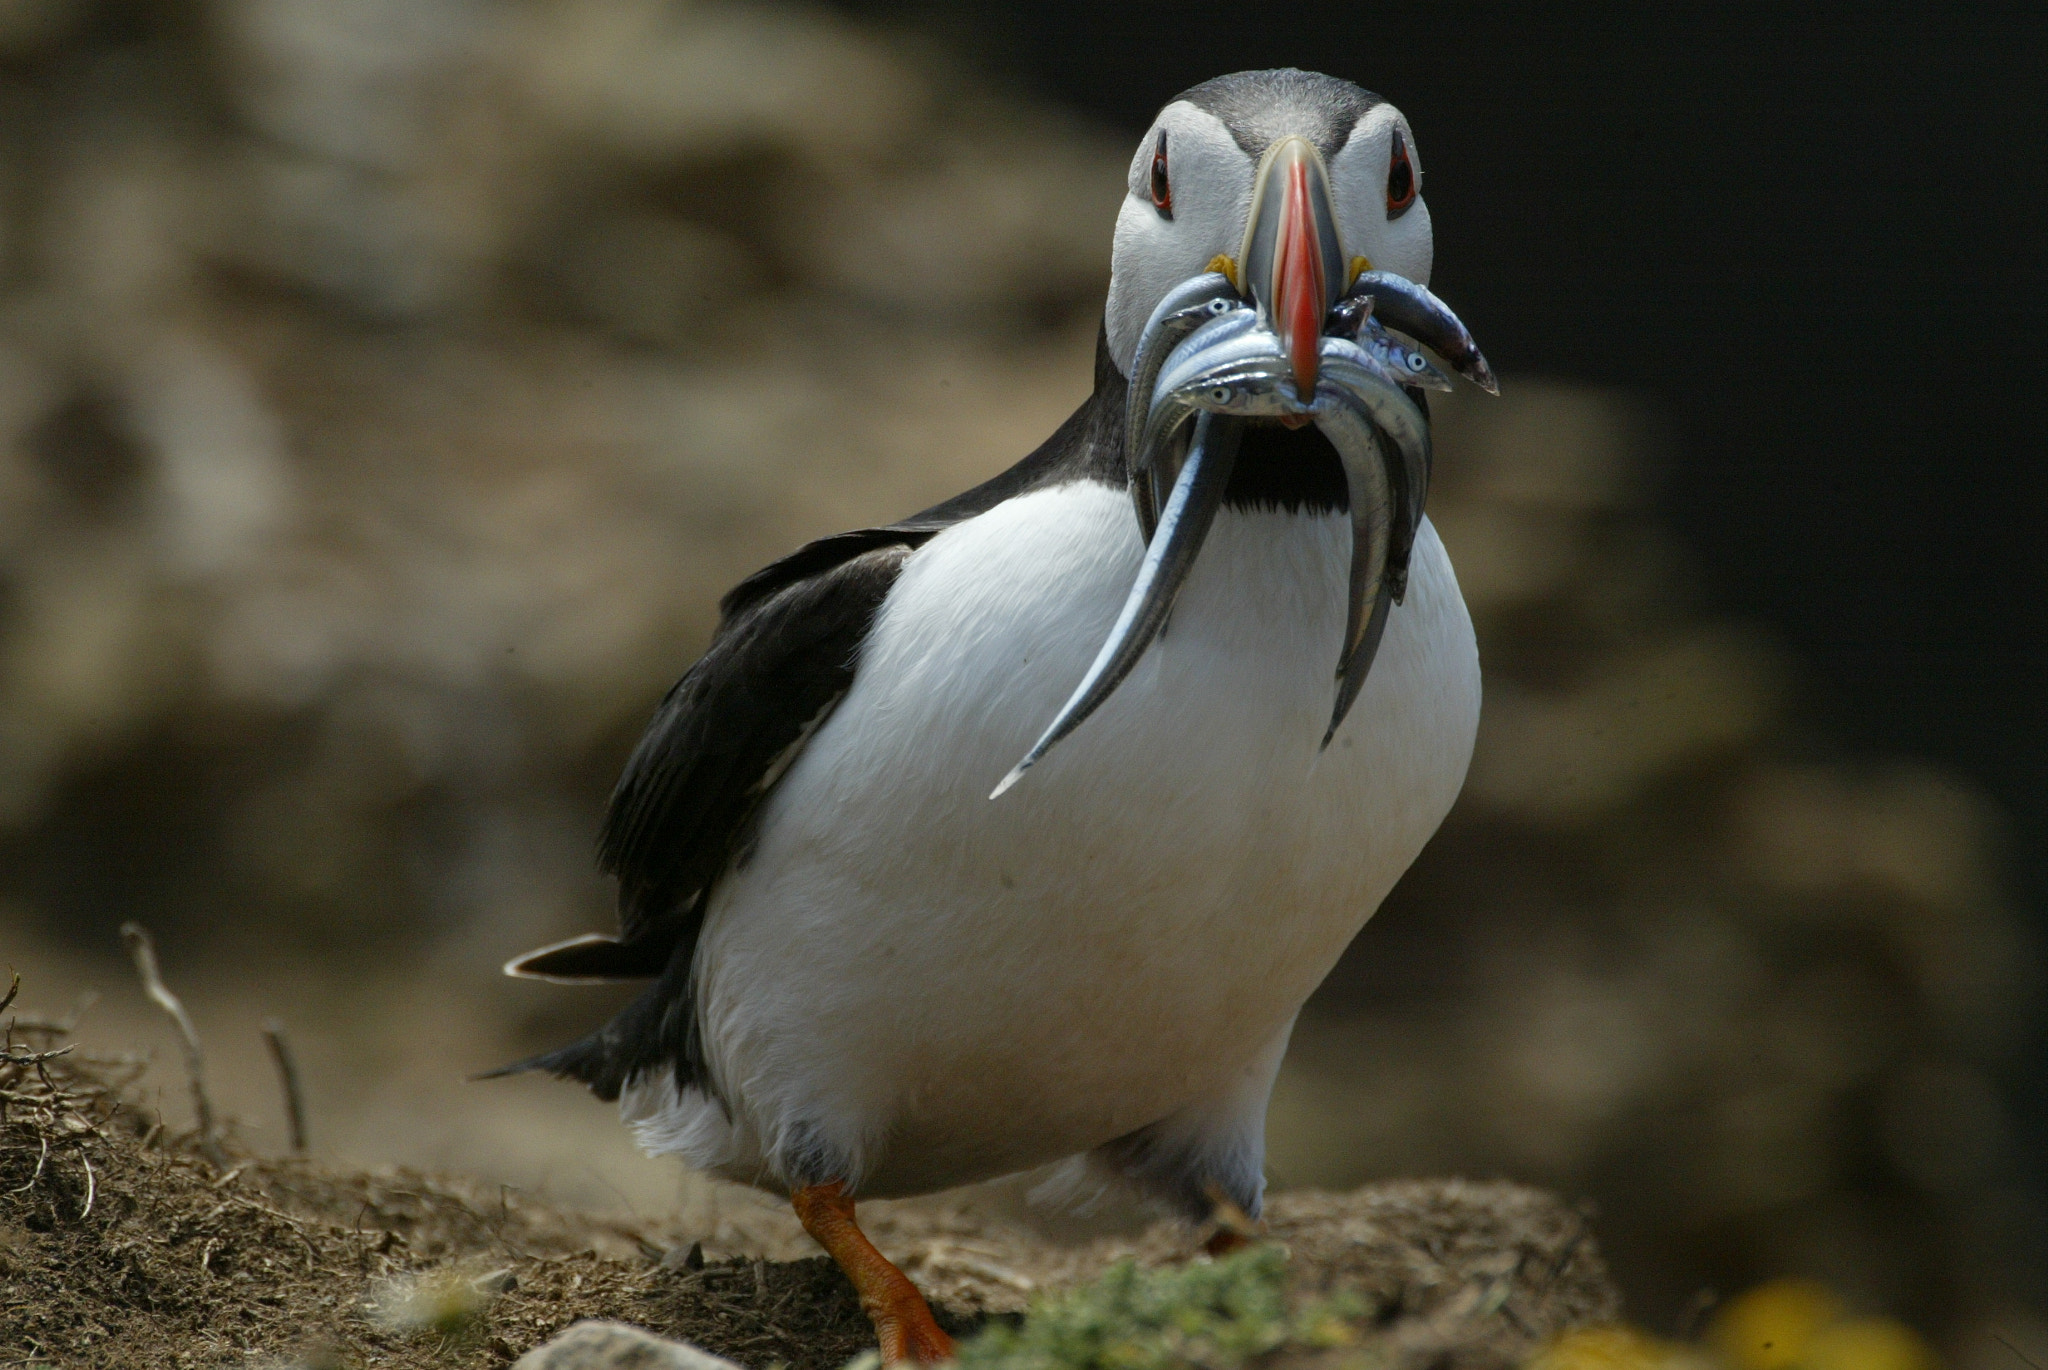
column 1400, row 175
column 1162, row 187
column 1415, row 361
column 1220, row 394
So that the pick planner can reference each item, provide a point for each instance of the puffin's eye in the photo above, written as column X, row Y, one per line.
column 1162, row 188
column 1400, row 178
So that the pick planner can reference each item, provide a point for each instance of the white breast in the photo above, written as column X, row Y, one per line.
column 946, row 987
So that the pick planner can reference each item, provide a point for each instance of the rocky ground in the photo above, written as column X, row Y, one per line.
column 125, row 1245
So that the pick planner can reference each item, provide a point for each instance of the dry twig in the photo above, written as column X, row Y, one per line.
column 143, row 949
column 288, row 1079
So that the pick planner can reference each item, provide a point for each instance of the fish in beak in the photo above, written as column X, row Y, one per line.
column 1183, row 523
column 1293, row 339
column 1179, row 312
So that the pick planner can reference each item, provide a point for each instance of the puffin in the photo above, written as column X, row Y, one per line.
column 1015, row 834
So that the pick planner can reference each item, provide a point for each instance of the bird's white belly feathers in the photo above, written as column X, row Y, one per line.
column 942, row 987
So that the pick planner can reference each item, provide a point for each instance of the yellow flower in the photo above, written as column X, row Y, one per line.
column 1613, row 1348
column 1800, row 1325
column 1771, row 1326
column 1868, row 1344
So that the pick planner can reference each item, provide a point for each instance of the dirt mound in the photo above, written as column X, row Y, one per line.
column 124, row 1245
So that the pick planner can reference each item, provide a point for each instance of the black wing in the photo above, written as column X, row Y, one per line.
column 785, row 653
column 683, row 807
column 726, row 731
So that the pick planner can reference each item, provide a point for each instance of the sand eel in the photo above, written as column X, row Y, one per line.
column 874, row 977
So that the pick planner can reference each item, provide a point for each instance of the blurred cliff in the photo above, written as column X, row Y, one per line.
column 388, row 388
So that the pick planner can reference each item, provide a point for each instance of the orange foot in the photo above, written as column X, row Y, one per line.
column 1235, row 1228
column 1223, row 1241
column 903, row 1321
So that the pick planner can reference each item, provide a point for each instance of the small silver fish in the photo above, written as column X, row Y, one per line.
column 1401, row 304
column 1352, row 317
column 1206, row 357
column 1406, row 364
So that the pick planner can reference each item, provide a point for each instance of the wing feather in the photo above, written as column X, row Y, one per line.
column 716, row 742
column 687, row 806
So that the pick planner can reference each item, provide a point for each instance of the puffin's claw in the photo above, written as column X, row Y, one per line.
column 905, row 1330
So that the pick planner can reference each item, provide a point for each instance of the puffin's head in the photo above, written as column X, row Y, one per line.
column 1241, row 309
column 1299, row 180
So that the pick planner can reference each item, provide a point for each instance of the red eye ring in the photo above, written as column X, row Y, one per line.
column 1162, row 187
column 1401, row 183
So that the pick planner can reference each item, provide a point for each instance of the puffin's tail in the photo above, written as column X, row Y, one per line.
column 658, row 1029
column 594, row 958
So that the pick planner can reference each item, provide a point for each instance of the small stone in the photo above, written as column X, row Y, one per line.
column 495, row 1283
column 679, row 1258
column 617, row 1346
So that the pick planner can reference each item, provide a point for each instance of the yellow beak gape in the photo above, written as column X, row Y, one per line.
column 1228, row 266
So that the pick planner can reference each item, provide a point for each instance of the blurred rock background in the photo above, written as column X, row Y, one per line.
column 388, row 390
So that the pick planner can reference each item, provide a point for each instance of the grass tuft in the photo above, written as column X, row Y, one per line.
column 1213, row 1315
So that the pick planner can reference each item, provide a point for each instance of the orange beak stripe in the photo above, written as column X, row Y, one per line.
column 1299, row 289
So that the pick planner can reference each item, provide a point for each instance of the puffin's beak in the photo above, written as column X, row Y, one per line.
column 1293, row 263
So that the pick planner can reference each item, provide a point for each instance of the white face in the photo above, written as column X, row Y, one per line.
column 1210, row 180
